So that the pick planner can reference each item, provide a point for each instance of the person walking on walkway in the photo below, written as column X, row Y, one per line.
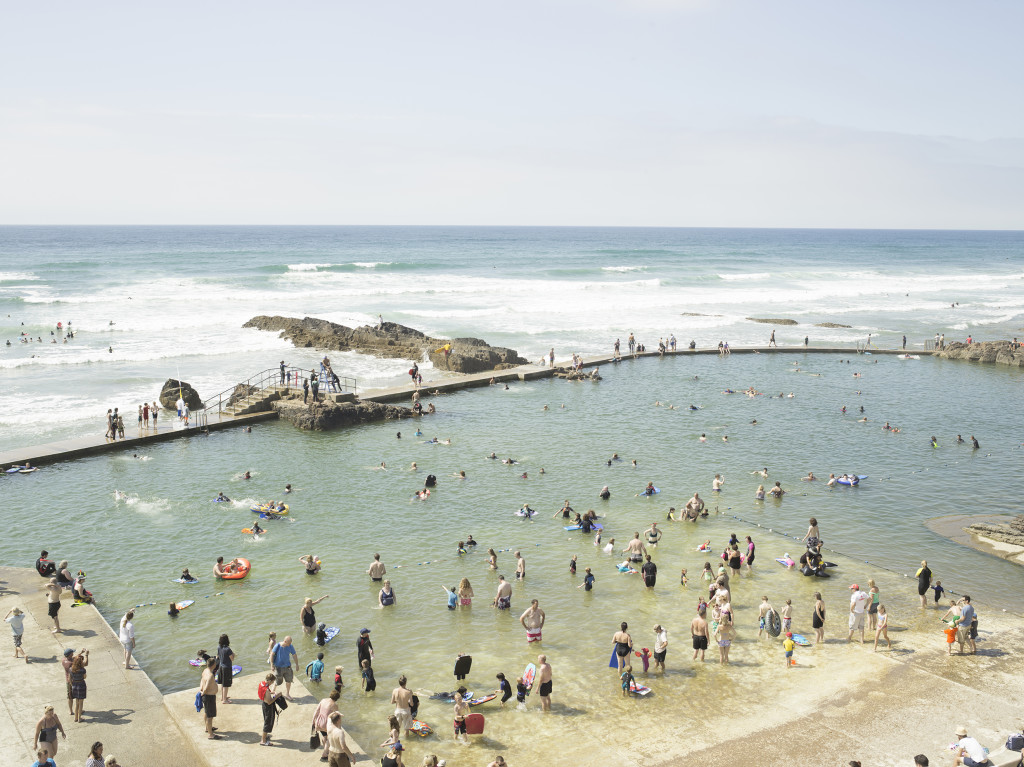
column 282, row 655
column 46, row 731
column 283, row 373
column 127, row 636
column 771, row 341
column 53, row 590
column 95, row 755
column 17, row 620
column 154, row 410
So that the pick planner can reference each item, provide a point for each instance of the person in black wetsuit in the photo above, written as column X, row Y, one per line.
column 44, row 566
column 650, row 572
column 363, row 647
column 504, row 688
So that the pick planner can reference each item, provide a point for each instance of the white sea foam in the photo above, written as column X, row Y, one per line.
column 307, row 267
column 623, row 268
column 17, row 277
column 745, row 277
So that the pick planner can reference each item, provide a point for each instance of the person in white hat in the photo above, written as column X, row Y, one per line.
column 17, row 620
column 968, row 751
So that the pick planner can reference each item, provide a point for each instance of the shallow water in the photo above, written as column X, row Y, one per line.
column 344, row 509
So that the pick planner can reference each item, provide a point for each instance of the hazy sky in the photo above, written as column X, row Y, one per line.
column 628, row 112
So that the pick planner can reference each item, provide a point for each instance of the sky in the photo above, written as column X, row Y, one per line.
column 719, row 113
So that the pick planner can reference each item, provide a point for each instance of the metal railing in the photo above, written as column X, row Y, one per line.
column 258, row 384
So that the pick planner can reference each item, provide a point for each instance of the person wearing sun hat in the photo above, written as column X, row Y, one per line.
column 17, row 620
column 858, row 606
column 968, row 751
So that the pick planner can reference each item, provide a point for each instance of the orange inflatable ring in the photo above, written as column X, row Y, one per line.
column 237, row 572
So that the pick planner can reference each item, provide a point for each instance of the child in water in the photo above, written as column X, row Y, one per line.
column 627, row 680
column 453, row 598
column 683, row 580
column 369, row 683
column 504, row 688
column 338, row 683
column 937, row 588
column 521, row 691
column 173, row 611
column 572, row 565
column 315, row 670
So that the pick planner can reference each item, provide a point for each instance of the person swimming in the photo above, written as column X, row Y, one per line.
column 187, row 576
column 221, row 498
column 247, row 475
column 470, row 541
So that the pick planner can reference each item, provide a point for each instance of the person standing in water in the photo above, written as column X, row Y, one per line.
column 660, row 647
column 623, row 645
column 650, row 573
column 533, row 621
column 544, row 679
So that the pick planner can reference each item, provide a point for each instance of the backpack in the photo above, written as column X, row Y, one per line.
column 1015, row 743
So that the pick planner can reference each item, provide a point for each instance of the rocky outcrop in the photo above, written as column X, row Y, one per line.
column 773, row 320
column 578, row 375
column 241, row 391
column 169, row 395
column 1012, row 532
column 471, row 355
column 465, row 355
column 333, row 415
column 1001, row 352
column 830, row 325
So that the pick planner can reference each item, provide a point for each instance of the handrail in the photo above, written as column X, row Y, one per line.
column 265, row 379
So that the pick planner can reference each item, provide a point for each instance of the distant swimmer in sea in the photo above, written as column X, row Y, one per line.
column 810, row 477
column 605, row 493
column 862, row 420
column 383, row 466
column 418, row 433
column 470, row 541
column 759, row 493
column 754, row 422
column 935, row 442
column 703, row 438
column 763, row 472
column 615, row 457
column 974, row 443
column 493, row 457
column 460, row 475
column 725, row 438
column 717, row 482
column 413, row 466
column 288, row 488
column 187, row 577
column 633, row 462
column 777, row 491
column 832, row 481
column 649, row 490
column 247, row 475
column 509, row 461
column 694, row 407
column 524, row 476
column 221, row 498
column 959, row 440
column 421, row 494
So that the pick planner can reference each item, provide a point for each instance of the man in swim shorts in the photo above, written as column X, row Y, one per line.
column 533, row 621
column 503, row 599
column 660, row 646
column 377, row 569
column 544, row 678
column 699, row 632
column 858, row 604
column 635, row 549
column 401, row 697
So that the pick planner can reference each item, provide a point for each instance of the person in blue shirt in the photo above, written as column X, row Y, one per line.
column 504, row 688
column 453, row 598
column 43, row 759
column 968, row 628
column 315, row 670
column 281, row 655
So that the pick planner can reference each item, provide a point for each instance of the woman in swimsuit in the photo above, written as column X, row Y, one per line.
column 465, row 593
column 387, row 595
column 312, row 566
column 46, row 731
column 306, row 615
column 623, row 645
column 818, row 618
column 750, row 552
column 492, row 560
column 759, row 495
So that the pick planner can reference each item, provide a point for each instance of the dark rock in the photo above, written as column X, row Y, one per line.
column 331, row 415
column 1002, row 352
column 830, row 325
column 773, row 320
column 169, row 395
column 240, row 392
column 466, row 355
column 1011, row 532
column 578, row 375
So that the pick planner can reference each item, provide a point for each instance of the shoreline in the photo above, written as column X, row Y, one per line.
column 952, row 527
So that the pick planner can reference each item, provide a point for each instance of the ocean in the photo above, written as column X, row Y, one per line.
column 152, row 303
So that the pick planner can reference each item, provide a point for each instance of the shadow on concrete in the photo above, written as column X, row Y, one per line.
column 113, row 716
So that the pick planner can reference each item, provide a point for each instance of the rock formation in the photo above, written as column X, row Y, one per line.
column 830, row 325
column 1011, row 532
column 578, row 375
column 466, row 355
column 1002, row 352
column 773, row 320
column 169, row 395
column 332, row 415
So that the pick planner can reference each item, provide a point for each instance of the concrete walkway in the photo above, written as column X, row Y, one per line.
column 123, row 709
column 239, row 724
column 78, row 447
